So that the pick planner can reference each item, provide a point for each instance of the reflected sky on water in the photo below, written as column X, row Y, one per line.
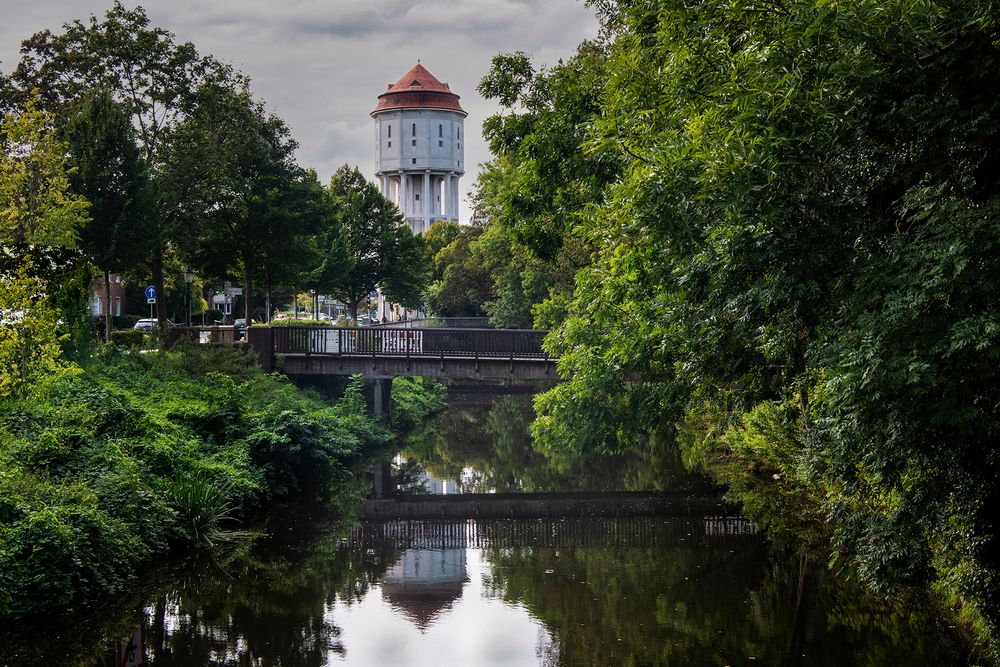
column 433, row 627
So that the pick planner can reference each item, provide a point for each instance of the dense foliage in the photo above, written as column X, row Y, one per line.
column 367, row 246
column 540, row 186
column 183, row 168
column 103, row 471
column 794, row 266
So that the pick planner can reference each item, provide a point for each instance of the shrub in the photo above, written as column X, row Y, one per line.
column 202, row 505
column 296, row 323
column 413, row 399
column 124, row 321
column 130, row 338
column 110, row 468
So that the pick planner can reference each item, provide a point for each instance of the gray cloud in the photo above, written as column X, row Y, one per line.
column 321, row 64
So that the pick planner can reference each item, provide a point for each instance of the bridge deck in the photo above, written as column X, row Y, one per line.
column 388, row 352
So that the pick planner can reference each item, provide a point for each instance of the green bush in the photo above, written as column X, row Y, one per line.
column 202, row 505
column 415, row 398
column 131, row 338
column 296, row 323
column 125, row 321
column 143, row 454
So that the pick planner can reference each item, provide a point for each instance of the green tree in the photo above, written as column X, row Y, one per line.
column 36, row 205
column 109, row 173
column 440, row 234
column 152, row 75
column 462, row 283
column 808, row 217
column 366, row 246
column 230, row 168
column 540, row 186
column 30, row 338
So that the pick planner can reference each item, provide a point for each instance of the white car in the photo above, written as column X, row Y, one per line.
column 147, row 324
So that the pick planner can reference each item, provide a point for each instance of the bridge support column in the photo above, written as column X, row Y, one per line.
column 383, row 397
column 384, row 488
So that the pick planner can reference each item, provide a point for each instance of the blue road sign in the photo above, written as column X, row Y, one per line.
column 150, row 292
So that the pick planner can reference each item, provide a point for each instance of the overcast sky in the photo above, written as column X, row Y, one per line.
column 321, row 64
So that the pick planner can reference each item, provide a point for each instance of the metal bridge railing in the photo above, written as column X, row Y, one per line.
column 384, row 341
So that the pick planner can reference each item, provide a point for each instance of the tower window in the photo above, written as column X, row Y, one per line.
column 414, row 160
column 440, row 130
column 414, row 129
column 459, row 133
column 413, row 142
column 440, row 144
column 416, row 197
column 389, row 127
column 389, row 144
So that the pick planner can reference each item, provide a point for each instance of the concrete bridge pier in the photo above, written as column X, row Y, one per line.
column 382, row 393
column 383, row 485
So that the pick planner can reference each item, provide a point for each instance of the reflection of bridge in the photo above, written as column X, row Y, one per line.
column 562, row 533
column 386, row 352
column 543, row 505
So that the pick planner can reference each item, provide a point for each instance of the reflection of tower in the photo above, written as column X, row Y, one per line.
column 418, row 147
column 425, row 582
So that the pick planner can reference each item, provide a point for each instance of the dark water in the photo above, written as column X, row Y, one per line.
column 593, row 592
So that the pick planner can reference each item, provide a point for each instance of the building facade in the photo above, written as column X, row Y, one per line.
column 99, row 294
column 419, row 134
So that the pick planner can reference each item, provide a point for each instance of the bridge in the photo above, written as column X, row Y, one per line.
column 542, row 505
column 382, row 353
column 601, row 532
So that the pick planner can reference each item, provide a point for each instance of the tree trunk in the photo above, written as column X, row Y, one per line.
column 353, row 305
column 800, row 367
column 267, row 303
column 161, row 296
column 247, row 288
column 107, row 311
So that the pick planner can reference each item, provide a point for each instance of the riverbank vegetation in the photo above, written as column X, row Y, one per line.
column 118, row 156
column 770, row 233
column 104, row 470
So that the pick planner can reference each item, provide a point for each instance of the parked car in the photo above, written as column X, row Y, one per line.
column 147, row 324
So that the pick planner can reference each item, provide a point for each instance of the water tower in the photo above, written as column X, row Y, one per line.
column 419, row 135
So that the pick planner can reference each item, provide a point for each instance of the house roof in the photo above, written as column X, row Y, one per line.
column 418, row 88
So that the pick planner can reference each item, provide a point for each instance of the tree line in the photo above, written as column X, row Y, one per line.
column 769, row 231
column 138, row 151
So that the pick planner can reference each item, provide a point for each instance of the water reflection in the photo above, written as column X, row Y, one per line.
column 567, row 593
column 482, row 444
column 425, row 582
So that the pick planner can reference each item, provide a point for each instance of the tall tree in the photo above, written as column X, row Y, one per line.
column 108, row 172
column 37, row 207
column 230, row 167
column 804, row 244
column 462, row 282
column 532, row 197
column 367, row 246
column 143, row 67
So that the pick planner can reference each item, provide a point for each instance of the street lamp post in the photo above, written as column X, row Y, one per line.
column 188, row 279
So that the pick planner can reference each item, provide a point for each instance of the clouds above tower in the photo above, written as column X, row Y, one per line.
column 321, row 65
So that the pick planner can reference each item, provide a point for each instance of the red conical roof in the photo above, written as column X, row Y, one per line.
column 418, row 88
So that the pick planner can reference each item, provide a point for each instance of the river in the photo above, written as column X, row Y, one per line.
column 581, row 591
